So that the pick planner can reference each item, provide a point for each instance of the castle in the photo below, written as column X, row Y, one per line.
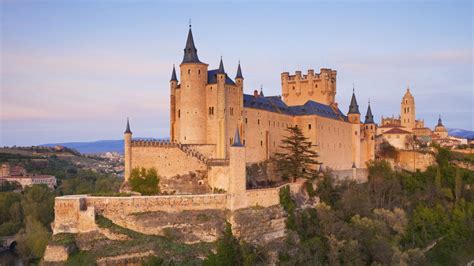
column 207, row 107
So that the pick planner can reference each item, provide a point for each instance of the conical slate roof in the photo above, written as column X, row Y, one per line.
column 237, row 142
column 127, row 129
column 190, row 51
column 354, row 107
column 221, row 68
column 440, row 123
column 239, row 73
column 173, row 75
column 369, row 118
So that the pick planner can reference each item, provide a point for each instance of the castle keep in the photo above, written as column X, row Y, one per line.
column 208, row 110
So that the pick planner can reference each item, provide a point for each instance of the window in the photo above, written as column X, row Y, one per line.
column 309, row 126
column 179, row 113
column 243, row 141
column 315, row 85
column 258, row 121
column 261, row 143
column 355, row 133
column 231, row 109
column 231, row 140
column 246, row 120
column 199, row 72
column 293, row 87
column 189, row 71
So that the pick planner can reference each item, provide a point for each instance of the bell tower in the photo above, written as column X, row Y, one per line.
column 407, row 111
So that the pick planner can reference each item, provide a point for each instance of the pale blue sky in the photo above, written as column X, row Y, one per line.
column 74, row 70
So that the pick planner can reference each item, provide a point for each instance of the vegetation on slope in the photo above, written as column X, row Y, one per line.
column 394, row 218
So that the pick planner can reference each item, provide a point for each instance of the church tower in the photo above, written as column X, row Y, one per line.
column 354, row 118
column 407, row 111
column 192, row 107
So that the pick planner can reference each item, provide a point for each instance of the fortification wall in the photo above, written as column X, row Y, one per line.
column 263, row 197
column 74, row 214
column 169, row 161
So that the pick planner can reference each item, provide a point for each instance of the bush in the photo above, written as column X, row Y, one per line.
column 145, row 181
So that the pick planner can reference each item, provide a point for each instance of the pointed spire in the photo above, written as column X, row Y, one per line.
column 127, row 129
column 239, row 73
column 237, row 142
column 190, row 51
column 221, row 68
column 261, row 91
column 353, row 107
column 173, row 75
column 369, row 118
column 440, row 123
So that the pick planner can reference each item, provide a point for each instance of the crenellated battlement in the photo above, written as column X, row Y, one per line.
column 325, row 73
column 152, row 143
column 320, row 87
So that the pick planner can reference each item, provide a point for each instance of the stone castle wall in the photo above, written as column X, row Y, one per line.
column 168, row 161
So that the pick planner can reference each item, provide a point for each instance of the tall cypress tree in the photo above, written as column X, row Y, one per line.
column 299, row 159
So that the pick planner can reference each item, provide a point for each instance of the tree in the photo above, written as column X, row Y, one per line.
column 457, row 186
column 228, row 250
column 299, row 158
column 145, row 181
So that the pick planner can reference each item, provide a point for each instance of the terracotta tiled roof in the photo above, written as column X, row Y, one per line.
column 389, row 125
column 396, row 131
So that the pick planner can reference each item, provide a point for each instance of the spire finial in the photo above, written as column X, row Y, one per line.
column 239, row 72
column 237, row 142
column 353, row 88
column 189, row 23
column 127, row 129
column 221, row 67
column 173, row 75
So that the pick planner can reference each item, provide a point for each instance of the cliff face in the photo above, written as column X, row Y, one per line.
column 186, row 235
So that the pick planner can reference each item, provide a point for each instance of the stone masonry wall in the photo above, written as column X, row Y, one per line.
column 168, row 161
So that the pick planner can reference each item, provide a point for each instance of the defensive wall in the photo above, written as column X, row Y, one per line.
column 76, row 213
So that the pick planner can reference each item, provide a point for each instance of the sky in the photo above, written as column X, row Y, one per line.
column 75, row 70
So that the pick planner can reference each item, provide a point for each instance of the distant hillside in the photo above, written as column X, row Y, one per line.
column 99, row 146
column 92, row 147
column 461, row 133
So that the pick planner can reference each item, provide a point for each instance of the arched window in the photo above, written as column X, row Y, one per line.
column 179, row 113
column 309, row 126
column 189, row 71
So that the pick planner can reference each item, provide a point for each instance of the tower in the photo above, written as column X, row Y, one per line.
column 128, row 150
column 440, row 129
column 192, row 105
column 369, row 134
column 221, row 112
column 407, row 111
column 173, row 87
column 237, row 177
column 354, row 118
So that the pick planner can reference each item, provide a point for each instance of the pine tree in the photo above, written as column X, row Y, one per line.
column 298, row 160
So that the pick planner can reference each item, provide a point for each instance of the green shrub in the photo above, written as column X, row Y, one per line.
column 145, row 181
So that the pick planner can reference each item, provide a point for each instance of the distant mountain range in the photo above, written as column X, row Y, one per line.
column 102, row 146
column 461, row 133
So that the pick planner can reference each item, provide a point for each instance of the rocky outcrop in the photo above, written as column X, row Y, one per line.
column 56, row 253
column 186, row 226
column 259, row 226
